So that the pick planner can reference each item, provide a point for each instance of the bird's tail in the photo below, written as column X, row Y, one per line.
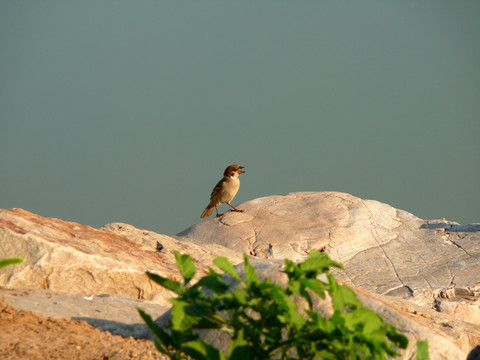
column 208, row 211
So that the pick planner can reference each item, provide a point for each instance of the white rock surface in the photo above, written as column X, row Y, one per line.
column 382, row 249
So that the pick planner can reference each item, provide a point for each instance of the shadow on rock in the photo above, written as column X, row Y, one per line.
column 451, row 227
column 137, row 331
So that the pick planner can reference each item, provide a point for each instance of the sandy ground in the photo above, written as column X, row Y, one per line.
column 27, row 335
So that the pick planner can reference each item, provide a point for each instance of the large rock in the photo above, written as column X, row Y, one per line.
column 73, row 258
column 423, row 276
column 382, row 249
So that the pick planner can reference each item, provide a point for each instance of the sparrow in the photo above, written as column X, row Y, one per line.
column 225, row 190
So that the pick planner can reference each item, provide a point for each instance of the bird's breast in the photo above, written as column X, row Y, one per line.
column 230, row 189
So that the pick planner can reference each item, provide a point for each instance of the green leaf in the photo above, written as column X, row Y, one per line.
column 213, row 322
column 250, row 273
column 317, row 286
column 185, row 316
column 225, row 265
column 397, row 338
column 173, row 285
column 240, row 296
column 321, row 325
column 178, row 314
column 318, row 262
column 297, row 287
column 294, row 287
column 341, row 295
column 186, row 266
column 10, row 261
column 158, row 331
column 239, row 348
column 422, row 350
column 214, row 283
column 291, row 268
column 199, row 349
column 373, row 326
column 290, row 311
column 160, row 346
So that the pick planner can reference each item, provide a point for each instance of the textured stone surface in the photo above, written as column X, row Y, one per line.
column 114, row 313
column 69, row 257
column 383, row 249
column 423, row 276
column 464, row 334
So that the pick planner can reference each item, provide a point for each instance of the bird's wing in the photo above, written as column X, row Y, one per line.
column 218, row 188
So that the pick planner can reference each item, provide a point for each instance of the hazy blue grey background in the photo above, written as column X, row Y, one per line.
column 130, row 110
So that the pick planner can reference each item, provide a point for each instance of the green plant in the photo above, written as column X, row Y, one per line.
column 422, row 350
column 10, row 261
column 264, row 321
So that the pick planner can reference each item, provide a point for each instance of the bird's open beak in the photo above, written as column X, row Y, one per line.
column 241, row 171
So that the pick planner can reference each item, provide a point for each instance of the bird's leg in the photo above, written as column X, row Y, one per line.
column 234, row 208
column 218, row 214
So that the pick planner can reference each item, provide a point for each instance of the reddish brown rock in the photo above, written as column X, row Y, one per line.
column 74, row 258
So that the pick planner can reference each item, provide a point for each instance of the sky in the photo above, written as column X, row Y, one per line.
column 129, row 111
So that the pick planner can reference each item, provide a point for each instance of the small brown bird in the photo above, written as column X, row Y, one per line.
column 225, row 190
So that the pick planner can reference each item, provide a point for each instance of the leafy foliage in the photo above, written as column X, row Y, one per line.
column 264, row 321
column 422, row 350
column 10, row 261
